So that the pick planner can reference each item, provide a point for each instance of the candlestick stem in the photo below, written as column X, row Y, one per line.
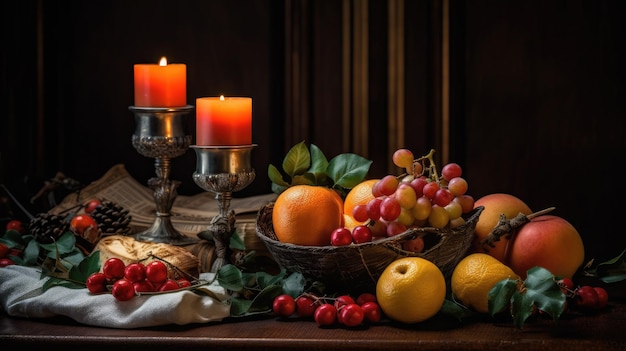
column 160, row 134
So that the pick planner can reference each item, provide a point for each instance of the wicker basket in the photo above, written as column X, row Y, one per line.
column 356, row 267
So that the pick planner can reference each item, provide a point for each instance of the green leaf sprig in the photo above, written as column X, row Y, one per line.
column 302, row 166
column 539, row 292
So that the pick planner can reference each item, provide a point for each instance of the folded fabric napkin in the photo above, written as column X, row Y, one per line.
column 21, row 295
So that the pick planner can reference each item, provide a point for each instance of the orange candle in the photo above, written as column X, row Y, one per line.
column 223, row 121
column 161, row 85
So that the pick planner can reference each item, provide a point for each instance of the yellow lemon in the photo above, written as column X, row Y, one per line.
column 474, row 276
column 411, row 290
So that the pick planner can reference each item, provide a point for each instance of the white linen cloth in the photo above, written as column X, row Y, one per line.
column 21, row 295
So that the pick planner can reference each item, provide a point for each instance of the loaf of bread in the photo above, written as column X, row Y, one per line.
column 130, row 250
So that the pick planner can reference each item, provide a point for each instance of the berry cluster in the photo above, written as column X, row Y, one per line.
column 585, row 297
column 126, row 281
column 342, row 310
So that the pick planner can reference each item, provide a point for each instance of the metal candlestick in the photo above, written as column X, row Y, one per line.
column 223, row 170
column 160, row 134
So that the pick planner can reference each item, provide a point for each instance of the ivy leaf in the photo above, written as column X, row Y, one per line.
column 348, row 170
column 298, row 160
column 542, row 288
column 500, row 295
column 521, row 308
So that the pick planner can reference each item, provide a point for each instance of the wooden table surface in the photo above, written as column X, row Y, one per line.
column 574, row 331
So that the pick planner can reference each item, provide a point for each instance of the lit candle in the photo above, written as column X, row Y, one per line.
column 224, row 121
column 161, row 85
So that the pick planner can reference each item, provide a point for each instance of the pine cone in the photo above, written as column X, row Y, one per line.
column 112, row 218
column 47, row 227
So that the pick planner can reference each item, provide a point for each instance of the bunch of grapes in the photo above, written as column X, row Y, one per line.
column 420, row 197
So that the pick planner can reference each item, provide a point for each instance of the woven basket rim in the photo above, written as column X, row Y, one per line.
column 392, row 241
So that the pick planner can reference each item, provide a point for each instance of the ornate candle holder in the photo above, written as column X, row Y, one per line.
column 223, row 170
column 160, row 134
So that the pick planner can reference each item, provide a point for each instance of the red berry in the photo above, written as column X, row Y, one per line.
column 586, row 297
column 372, row 311
column 16, row 225
column 183, row 282
column 284, row 305
column 4, row 250
column 156, row 272
column 351, row 315
column 343, row 300
column 96, row 283
column 603, row 297
column 92, row 205
column 143, row 286
column 325, row 315
column 169, row 285
column 135, row 272
column 306, row 305
column 123, row 290
column 5, row 261
column 82, row 223
column 365, row 297
column 113, row 268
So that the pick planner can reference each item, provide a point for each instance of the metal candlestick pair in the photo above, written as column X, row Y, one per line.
column 160, row 134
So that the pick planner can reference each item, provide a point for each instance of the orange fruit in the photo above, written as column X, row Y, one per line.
column 307, row 215
column 474, row 276
column 496, row 204
column 360, row 194
column 411, row 290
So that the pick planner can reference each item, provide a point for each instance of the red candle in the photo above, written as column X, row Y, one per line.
column 224, row 121
column 161, row 85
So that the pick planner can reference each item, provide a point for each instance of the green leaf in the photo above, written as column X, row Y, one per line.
column 236, row 243
column 543, row 290
column 263, row 301
column 611, row 271
column 453, row 309
column 62, row 245
column 521, row 309
column 500, row 295
column 31, row 252
column 319, row 162
column 230, row 277
column 298, row 160
column 275, row 176
column 85, row 268
column 239, row 307
column 348, row 170
column 294, row 284
column 277, row 189
column 304, row 179
column 265, row 279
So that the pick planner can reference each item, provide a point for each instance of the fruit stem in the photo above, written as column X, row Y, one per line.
column 432, row 167
column 508, row 227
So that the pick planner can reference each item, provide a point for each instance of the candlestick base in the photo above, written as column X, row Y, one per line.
column 223, row 170
column 160, row 134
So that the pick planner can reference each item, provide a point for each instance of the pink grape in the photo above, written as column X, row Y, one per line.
column 450, row 171
column 454, row 210
column 390, row 209
column 403, row 158
column 405, row 194
column 418, row 185
column 438, row 217
column 387, row 185
column 395, row 228
column 458, row 186
column 430, row 189
column 466, row 202
column 373, row 208
column 443, row 197
column 359, row 212
column 422, row 208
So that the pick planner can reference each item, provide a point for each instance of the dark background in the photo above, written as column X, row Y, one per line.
column 536, row 91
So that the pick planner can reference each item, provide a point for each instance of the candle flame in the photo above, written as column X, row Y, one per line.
column 221, row 97
column 163, row 61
